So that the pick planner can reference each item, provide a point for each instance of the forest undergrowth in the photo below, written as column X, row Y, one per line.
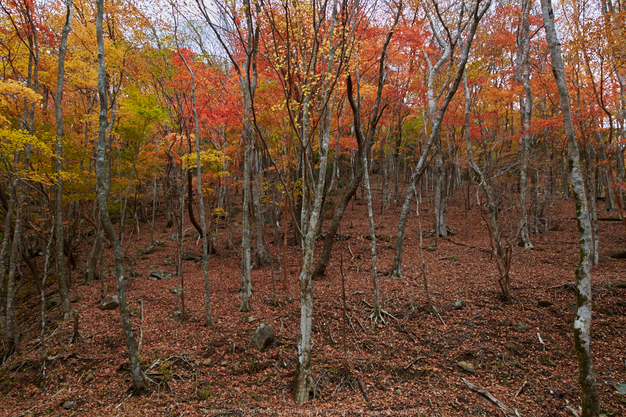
column 412, row 363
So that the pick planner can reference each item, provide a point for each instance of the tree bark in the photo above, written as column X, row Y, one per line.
column 477, row 14
column 58, row 160
column 203, row 230
column 139, row 382
column 502, row 256
column 523, row 77
column 246, row 239
column 364, row 147
column 582, row 323
column 261, row 255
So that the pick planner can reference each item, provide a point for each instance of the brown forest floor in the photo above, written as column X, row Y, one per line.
column 408, row 366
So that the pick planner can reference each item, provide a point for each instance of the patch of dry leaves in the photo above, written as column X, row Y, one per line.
column 522, row 352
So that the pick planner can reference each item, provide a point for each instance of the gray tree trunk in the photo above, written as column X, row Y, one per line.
column 502, row 256
column 377, row 313
column 593, row 207
column 440, row 227
column 138, row 380
column 58, row 161
column 205, row 243
column 246, row 239
column 11, row 333
column 477, row 14
column 582, row 323
column 523, row 77
column 261, row 255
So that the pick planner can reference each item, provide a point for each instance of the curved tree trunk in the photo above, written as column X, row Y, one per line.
column 138, row 380
column 58, row 160
column 582, row 323
column 477, row 14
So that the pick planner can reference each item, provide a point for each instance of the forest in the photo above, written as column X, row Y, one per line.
column 318, row 207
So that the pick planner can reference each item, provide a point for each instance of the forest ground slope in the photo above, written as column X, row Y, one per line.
column 408, row 365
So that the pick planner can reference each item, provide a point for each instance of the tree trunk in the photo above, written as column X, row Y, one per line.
column 582, row 323
column 440, row 227
column 523, row 77
column 590, row 159
column 261, row 255
column 58, row 160
column 246, row 240
column 203, row 230
column 139, row 382
column 503, row 256
column 477, row 14
column 377, row 313
column 11, row 332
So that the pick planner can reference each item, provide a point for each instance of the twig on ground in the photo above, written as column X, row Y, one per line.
column 414, row 361
column 468, row 246
column 46, row 339
column 363, row 390
column 519, row 391
column 533, row 309
column 525, row 283
column 438, row 315
column 317, row 384
column 508, row 411
column 567, row 284
column 330, row 333
column 360, row 324
column 350, row 323
column 124, row 400
column 543, row 344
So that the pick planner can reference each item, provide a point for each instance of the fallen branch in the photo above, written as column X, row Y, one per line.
column 438, row 315
column 541, row 341
column 414, row 361
column 566, row 285
column 509, row 412
column 468, row 246
column 361, row 385
column 330, row 333
column 519, row 391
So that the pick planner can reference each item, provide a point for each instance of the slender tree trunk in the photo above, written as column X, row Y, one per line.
column 4, row 257
column 364, row 147
column 138, row 380
column 246, row 240
column 593, row 207
column 440, row 227
column 582, row 323
column 261, row 255
column 523, row 76
column 477, row 14
column 92, row 262
column 11, row 333
column 58, row 216
column 377, row 313
column 502, row 256
column 122, row 224
column 205, row 243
